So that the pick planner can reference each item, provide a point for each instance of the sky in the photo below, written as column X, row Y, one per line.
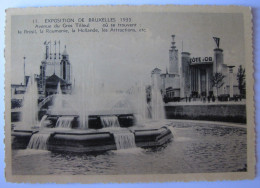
column 121, row 60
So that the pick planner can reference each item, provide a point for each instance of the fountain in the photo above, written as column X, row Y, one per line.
column 30, row 105
column 124, row 140
column 64, row 122
column 39, row 141
column 58, row 100
column 109, row 121
column 92, row 119
column 157, row 106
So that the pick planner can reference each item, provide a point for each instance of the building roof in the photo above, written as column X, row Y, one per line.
column 156, row 70
column 54, row 80
column 17, row 85
column 169, row 89
column 167, row 73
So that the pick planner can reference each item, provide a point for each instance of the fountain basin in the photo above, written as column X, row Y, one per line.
column 84, row 141
column 21, row 138
column 124, row 120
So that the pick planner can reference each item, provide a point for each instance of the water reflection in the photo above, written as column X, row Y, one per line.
column 195, row 148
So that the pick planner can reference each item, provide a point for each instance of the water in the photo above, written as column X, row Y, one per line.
column 58, row 100
column 141, row 103
column 39, row 141
column 85, row 93
column 64, row 122
column 91, row 98
column 30, row 105
column 124, row 140
column 196, row 148
column 42, row 121
column 109, row 121
column 157, row 105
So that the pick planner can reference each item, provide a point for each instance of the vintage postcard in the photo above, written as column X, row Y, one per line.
column 129, row 94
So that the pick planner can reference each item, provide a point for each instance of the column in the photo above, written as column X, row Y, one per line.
column 207, row 83
column 196, row 78
column 199, row 86
column 231, row 92
column 185, row 74
column 218, row 60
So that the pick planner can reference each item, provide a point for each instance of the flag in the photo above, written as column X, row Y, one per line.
column 217, row 41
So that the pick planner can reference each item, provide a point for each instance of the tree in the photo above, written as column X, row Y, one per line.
column 241, row 76
column 217, row 81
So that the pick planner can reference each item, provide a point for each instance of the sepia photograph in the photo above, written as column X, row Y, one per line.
column 130, row 92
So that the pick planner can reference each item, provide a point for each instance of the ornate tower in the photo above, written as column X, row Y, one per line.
column 218, row 57
column 185, row 75
column 218, row 60
column 65, row 66
column 218, row 63
column 173, row 58
column 231, row 84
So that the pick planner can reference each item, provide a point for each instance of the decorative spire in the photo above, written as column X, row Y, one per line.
column 50, row 50
column 59, row 49
column 55, row 49
column 46, row 49
column 173, row 42
column 217, row 40
column 24, row 70
column 65, row 51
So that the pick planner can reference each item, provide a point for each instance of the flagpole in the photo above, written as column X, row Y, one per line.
column 24, row 70
column 59, row 49
column 50, row 49
column 55, row 49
